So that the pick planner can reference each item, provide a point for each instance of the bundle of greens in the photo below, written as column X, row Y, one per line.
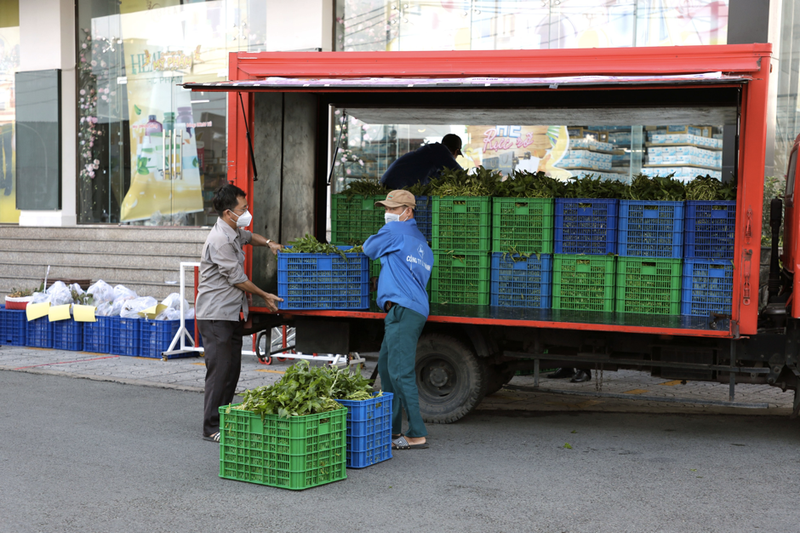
column 310, row 245
column 658, row 188
column 365, row 187
column 708, row 188
column 305, row 390
column 482, row 182
column 590, row 187
column 418, row 189
column 524, row 184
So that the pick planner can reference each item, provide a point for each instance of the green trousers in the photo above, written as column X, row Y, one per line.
column 396, row 365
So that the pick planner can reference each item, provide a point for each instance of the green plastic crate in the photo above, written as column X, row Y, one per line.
column 461, row 278
column 461, row 223
column 522, row 224
column 583, row 282
column 354, row 220
column 294, row 453
column 649, row 285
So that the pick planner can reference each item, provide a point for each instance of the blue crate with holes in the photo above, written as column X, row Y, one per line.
column 423, row 215
column 586, row 226
column 126, row 336
column 39, row 333
column 707, row 287
column 369, row 430
column 650, row 229
column 97, row 335
column 710, row 229
column 13, row 327
column 68, row 335
column 522, row 281
column 323, row 281
column 157, row 335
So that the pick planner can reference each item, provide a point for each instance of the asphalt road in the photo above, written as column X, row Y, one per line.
column 86, row 456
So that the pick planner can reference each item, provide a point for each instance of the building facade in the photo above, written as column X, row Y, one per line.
column 114, row 143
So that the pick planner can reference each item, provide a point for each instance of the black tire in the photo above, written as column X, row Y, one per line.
column 496, row 378
column 262, row 352
column 450, row 378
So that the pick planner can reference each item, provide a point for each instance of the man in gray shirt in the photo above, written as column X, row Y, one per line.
column 221, row 308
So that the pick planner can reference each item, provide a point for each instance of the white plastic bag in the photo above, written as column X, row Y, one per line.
column 169, row 314
column 121, row 291
column 173, row 301
column 40, row 298
column 59, row 294
column 131, row 308
column 101, row 292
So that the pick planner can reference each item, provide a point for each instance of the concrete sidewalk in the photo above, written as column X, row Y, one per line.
column 622, row 391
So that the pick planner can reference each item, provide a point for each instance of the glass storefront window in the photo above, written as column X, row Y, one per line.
column 510, row 24
column 151, row 152
column 787, row 125
column 617, row 152
column 9, row 65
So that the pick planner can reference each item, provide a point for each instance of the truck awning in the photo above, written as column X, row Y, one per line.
column 294, row 84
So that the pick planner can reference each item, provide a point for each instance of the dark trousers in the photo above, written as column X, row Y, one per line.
column 222, row 340
column 396, row 366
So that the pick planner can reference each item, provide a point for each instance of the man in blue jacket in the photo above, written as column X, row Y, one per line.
column 424, row 163
column 406, row 263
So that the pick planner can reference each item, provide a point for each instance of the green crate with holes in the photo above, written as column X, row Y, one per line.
column 522, row 225
column 649, row 285
column 355, row 218
column 584, row 282
column 461, row 223
column 461, row 278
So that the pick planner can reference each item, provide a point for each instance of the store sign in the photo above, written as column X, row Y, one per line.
column 162, row 61
column 510, row 147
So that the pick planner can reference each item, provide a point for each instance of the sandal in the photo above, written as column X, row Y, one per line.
column 402, row 444
column 214, row 437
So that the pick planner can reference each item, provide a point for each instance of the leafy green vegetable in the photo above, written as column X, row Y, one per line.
column 418, row 189
column 305, row 390
column 658, row 188
column 310, row 245
column 482, row 182
column 365, row 187
column 708, row 188
column 524, row 184
column 590, row 187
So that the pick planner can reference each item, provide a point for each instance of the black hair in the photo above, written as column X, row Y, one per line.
column 227, row 197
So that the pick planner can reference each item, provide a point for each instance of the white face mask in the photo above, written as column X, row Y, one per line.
column 244, row 219
column 391, row 217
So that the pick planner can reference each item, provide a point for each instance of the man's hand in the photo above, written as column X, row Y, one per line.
column 271, row 301
column 275, row 247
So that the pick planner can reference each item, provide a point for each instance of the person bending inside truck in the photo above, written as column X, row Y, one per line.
column 424, row 163
column 406, row 263
column 221, row 307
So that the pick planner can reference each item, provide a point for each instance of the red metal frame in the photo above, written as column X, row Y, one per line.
column 752, row 60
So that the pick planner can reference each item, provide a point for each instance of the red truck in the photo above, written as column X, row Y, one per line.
column 288, row 102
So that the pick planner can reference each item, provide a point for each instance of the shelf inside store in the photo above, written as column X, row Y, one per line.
column 673, row 165
column 667, row 145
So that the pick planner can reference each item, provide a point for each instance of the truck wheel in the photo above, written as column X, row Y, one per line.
column 450, row 378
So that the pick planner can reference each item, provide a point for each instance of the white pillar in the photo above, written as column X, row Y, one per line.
column 299, row 25
column 47, row 41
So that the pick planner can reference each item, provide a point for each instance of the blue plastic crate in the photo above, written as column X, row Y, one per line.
column 157, row 335
column 97, row 335
column 68, row 335
column 369, row 430
column 126, row 336
column 586, row 226
column 39, row 333
column 650, row 229
column 522, row 282
column 423, row 214
column 13, row 327
column 710, row 229
column 707, row 287
column 323, row 281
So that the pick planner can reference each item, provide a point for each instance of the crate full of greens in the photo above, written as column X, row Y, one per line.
column 586, row 218
column 651, row 218
column 354, row 216
column 314, row 275
column 710, row 219
column 461, row 210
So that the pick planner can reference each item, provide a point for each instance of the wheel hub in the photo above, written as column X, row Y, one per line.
column 438, row 377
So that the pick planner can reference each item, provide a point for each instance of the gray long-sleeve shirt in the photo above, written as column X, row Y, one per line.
column 221, row 268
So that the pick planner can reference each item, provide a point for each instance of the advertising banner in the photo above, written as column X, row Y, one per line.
column 508, row 148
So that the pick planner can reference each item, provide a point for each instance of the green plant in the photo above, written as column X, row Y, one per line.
column 658, row 188
column 365, row 187
column 774, row 187
column 305, row 390
column 482, row 182
column 591, row 187
column 524, row 184
column 310, row 245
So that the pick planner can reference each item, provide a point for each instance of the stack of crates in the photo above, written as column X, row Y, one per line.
column 461, row 237
column 13, row 327
column 650, row 247
column 369, row 430
column 708, row 258
column 584, row 265
column 522, row 252
column 294, row 453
